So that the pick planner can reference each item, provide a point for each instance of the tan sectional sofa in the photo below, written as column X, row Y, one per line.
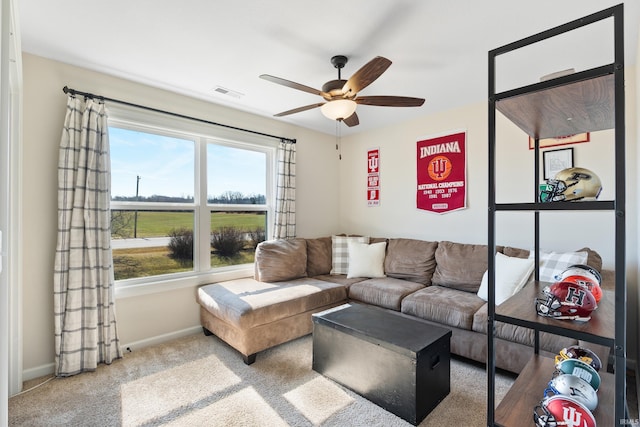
column 436, row 281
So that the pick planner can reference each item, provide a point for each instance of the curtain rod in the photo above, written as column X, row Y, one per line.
column 70, row 91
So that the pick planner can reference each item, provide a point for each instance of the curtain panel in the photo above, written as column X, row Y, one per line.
column 285, row 212
column 84, row 310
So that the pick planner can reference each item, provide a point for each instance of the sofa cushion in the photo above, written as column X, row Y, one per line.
column 554, row 263
column 318, row 256
column 386, row 292
column 340, row 279
column 411, row 259
column 515, row 252
column 281, row 259
column 443, row 305
column 511, row 275
column 340, row 252
column 593, row 258
column 460, row 265
column 520, row 334
column 366, row 260
column 246, row 303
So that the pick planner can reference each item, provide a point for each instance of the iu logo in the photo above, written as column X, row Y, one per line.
column 572, row 418
column 373, row 164
column 439, row 168
column 575, row 295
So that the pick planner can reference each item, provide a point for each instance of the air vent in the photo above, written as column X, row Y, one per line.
column 228, row 92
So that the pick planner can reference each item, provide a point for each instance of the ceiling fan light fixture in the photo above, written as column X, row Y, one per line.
column 339, row 109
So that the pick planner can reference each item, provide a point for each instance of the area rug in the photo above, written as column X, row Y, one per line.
column 200, row 381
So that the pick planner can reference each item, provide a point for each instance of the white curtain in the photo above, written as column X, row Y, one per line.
column 85, row 324
column 285, row 212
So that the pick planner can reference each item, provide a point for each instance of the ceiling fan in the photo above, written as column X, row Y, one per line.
column 341, row 96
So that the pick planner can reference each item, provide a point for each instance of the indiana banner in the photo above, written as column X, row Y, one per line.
column 373, row 177
column 442, row 172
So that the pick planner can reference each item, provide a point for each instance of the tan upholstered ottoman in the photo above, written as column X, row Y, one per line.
column 252, row 316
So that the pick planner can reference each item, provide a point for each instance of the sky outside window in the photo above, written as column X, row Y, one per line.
column 165, row 166
column 235, row 170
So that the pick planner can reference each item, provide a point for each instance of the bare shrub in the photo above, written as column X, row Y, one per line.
column 227, row 241
column 181, row 244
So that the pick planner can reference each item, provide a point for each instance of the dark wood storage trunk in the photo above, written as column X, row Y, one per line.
column 396, row 361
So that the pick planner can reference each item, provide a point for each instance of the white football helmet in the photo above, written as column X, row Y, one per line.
column 575, row 387
column 581, row 270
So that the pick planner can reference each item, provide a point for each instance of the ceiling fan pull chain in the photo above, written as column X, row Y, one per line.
column 338, row 140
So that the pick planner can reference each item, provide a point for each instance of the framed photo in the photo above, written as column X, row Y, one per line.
column 556, row 160
column 561, row 140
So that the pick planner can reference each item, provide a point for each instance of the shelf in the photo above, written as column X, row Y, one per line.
column 596, row 205
column 520, row 309
column 582, row 106
column 516, row 408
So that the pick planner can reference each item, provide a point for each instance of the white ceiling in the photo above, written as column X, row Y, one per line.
column 438, row 48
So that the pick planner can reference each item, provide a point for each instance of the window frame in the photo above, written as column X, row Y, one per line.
column 202, row 134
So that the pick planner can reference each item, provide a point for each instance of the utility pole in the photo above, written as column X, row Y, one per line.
column 135, row 220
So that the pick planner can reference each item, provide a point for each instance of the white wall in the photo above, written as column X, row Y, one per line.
column 397, row 215
column 143, row 318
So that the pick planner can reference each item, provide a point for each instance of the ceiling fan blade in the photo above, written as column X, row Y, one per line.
column 299, row 109
column 366, row 75
column 352, row 120
column 290, row 84
column 390, row 101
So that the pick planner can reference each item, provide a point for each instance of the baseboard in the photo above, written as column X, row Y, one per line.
column 48, row 369
column 158, row 339
column 38, row 371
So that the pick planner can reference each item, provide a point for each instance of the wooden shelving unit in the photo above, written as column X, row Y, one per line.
column 586, row 101
column 516, row 408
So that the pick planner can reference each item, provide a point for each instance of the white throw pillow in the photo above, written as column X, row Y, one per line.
column 554, row 263
column 340, row 252
column 511, row 275
column 366, row 260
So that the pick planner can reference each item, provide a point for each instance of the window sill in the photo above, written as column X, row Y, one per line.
column 191, row 281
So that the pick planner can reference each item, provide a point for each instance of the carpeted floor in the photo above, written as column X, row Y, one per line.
column 200, row 381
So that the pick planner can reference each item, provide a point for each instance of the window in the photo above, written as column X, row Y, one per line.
column 185, row 200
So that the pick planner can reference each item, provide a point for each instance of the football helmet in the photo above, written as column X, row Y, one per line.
column 585, row 282
column 580, row 353
column 566, row 301
column 575, row 387
column 580, row 369
column 562, row 410
column 572, row 184
column 581, row 270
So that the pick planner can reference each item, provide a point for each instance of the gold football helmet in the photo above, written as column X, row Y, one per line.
column 572, row 184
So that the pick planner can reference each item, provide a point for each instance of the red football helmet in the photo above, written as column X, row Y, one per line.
column 566, row 301
column 588, row 283
column 562, row 410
